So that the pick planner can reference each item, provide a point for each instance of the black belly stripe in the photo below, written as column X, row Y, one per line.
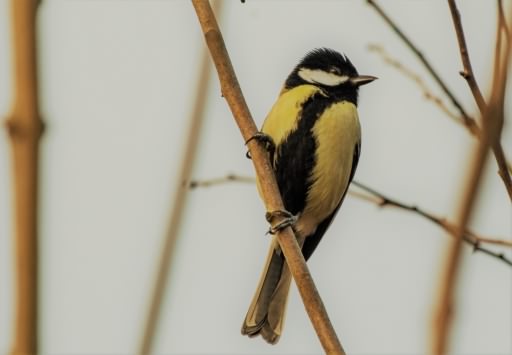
column 296, row 155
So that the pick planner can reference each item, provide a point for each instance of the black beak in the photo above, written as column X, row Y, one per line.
column 362, row 80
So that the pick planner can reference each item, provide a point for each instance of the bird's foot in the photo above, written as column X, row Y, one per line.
column 288, row 220
column 266, row 140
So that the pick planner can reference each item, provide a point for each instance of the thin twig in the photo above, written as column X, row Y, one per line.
column 221, row 180
column 25, row 128
column 467, row 73
column 503, row 169
column 491, row 131
column 268, row 186
column 180, row 196
column 469, row 236
column 473, row 128
column 424, row 61
column 381, row 200
column 429, row 95
column 469, row 121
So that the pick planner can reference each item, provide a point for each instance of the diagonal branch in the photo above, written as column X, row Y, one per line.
column 492, row 121
column 196, row 119
column 372, row 196
column 429, row 95
column 469, row 236
column 423, row 60
column 467, row 73
column 504, row 170
column 269, row 190
column 472, row 127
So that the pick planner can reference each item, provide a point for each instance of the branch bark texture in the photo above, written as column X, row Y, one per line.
column 372, row 196
column 269, row 190
column 469, row 122
column 492, row 121
column 25, row 127
column 180, row 198
column 468, row 74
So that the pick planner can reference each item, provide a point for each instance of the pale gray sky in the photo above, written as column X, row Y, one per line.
column 117, row 80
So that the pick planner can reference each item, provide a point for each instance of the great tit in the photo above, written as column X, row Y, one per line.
column 315, row 130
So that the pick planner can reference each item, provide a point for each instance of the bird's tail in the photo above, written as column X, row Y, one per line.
column 266, row 313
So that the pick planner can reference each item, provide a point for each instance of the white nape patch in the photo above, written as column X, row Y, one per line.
column 317, row 76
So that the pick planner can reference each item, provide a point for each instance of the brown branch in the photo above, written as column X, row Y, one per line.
column 502, row 20
column 467, row 73
column 25, row 127
column 423, row 60
column 372, row 196
column 443, row 312
column 492, row 124
column 503, row 168
column 269, row 190
column 469, row 122
column 221, row 180
column 473, row 85
column 180, row 197
column 469, row 236
column 472, row 126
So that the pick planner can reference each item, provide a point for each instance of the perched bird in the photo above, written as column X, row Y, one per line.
column 316, row 137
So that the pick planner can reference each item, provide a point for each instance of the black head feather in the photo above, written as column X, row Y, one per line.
column 330, row 61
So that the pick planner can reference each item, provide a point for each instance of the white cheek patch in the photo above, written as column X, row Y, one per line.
column 317, row 76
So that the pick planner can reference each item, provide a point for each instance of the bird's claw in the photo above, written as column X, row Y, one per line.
column 288, row 220
column 264, row 138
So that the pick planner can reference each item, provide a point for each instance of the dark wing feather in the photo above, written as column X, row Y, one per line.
column 295, row 156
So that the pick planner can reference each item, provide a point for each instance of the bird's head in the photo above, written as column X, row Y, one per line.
column 331, row 71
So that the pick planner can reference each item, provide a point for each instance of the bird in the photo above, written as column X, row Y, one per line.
column 313, row 136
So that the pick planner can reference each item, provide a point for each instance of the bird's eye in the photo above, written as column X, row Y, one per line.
column 334, row 70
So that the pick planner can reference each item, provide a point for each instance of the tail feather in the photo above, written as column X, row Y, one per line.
column 273, row 326
column 265, row 316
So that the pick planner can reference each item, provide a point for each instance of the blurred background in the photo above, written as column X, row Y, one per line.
column 117, row 82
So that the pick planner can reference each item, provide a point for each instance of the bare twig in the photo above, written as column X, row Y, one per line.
column 472, row 127
column 424, row 61
column 25, row 127
column 444, row 307
column 268, row 186
column 187, row 163
column 491, row 131
column 467, row 73
column 429, row 95
column 469, row 236
column 381, row 200
column 502, row 20
column 503, row 169
column 470, row 123
column 222, row 180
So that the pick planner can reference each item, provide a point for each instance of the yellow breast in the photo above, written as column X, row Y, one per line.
column 337, row 132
